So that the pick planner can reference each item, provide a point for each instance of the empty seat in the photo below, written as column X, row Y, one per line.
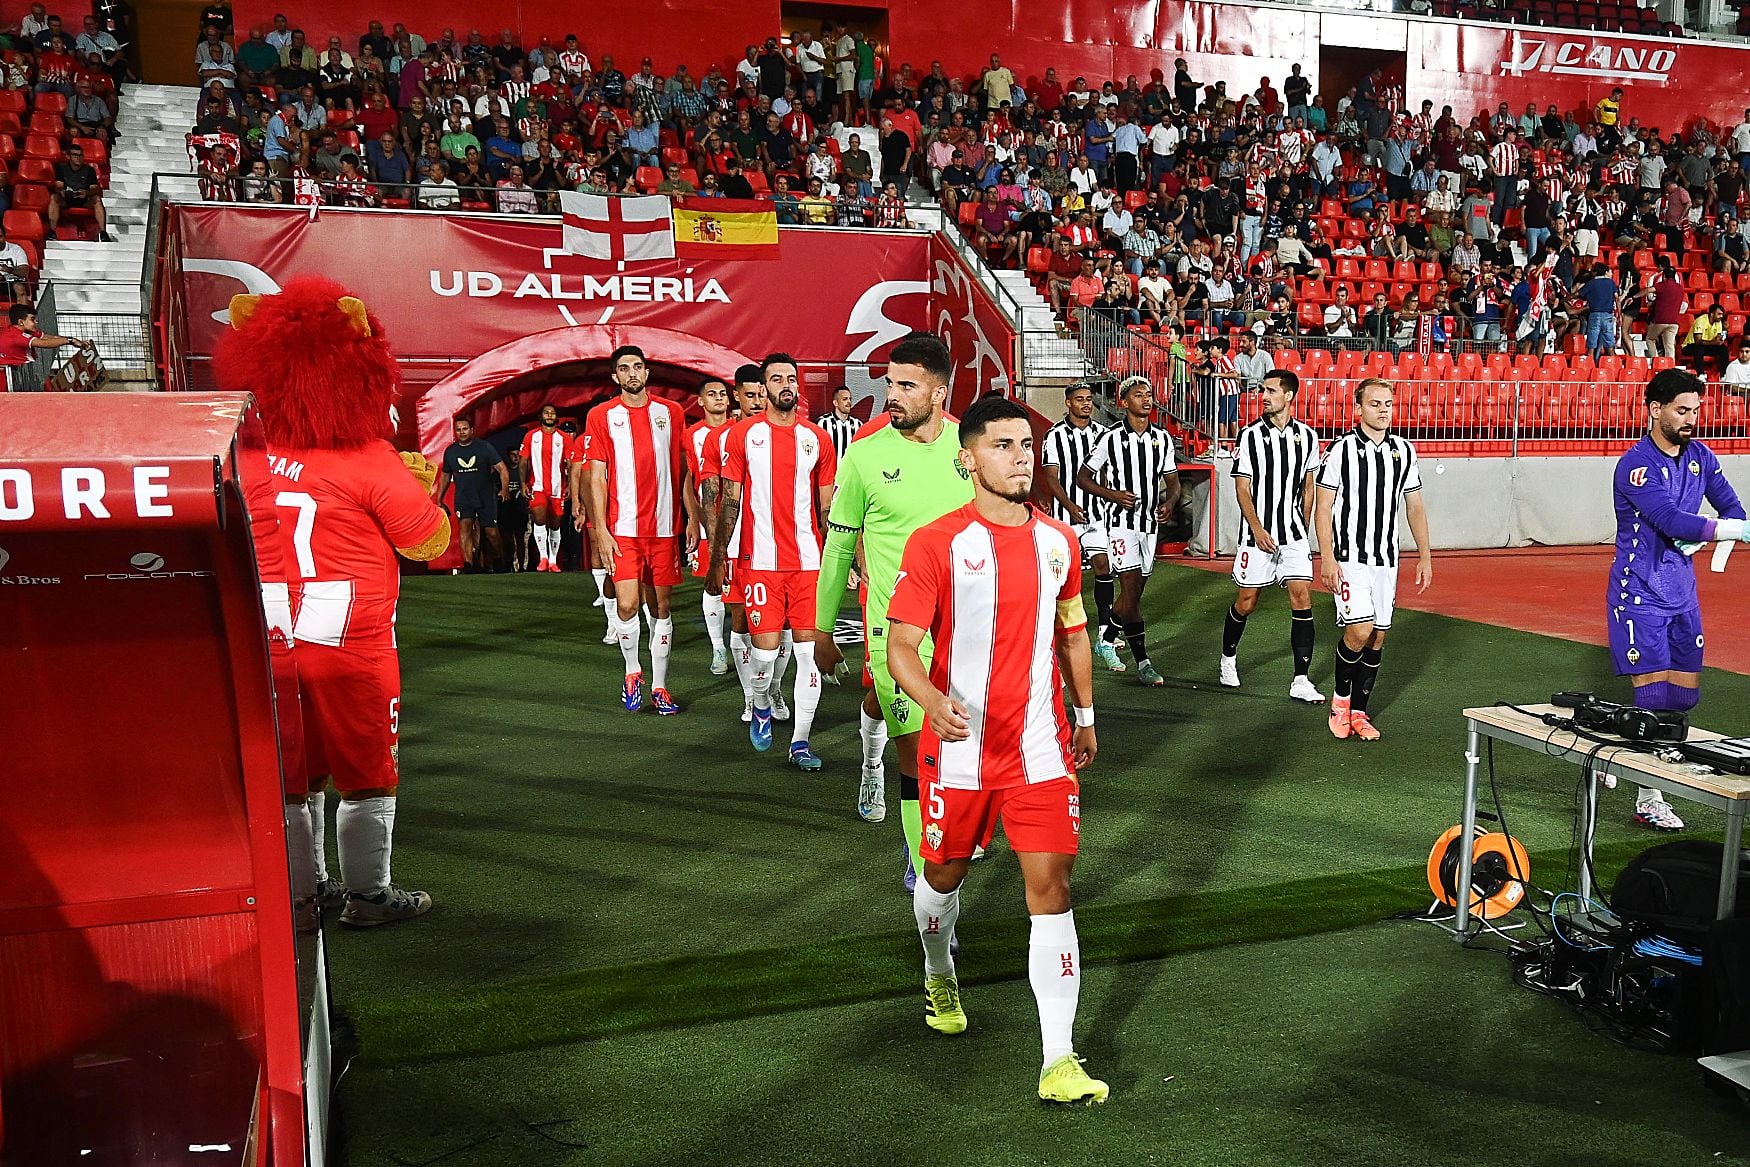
column 24, row 225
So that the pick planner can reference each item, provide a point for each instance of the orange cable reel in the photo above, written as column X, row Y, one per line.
column 1500, row 868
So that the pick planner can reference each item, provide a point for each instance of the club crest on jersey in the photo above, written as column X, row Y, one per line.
column 901, row 704
column 1695, row 469
column 659, row 421
column 1637, row 476
column 933, row 835
column 807, row 445
column 1634, row 656
column 1057, row 562
column 753, row 616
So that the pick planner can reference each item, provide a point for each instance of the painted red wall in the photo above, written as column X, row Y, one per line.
column 1468, row 66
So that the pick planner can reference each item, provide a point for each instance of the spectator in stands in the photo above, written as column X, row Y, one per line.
column 514, row 195
column 1598, row 296
column 89, row 113
column 1731, row 249
column 436, row 190
column 674, row 183
column 1664, row 310
column 214, row 60
column 96, row 45
column 77, row 186
column 218, row 176
column 15, row 272
column 644, row 138
column 389, row 163
column 1706, row 341
column 55, row 68
column 1380, row 324
column 815, row 206
column 1736, row 377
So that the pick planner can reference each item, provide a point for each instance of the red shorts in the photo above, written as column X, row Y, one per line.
column 731, row 585
column 656, row 561
column 555, row 503
column 352, row 710
column 1039, row 816
column 702, row 562
column 779, row 599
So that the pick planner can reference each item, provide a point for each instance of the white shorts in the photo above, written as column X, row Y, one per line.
column 1368, row 595
column 1131, row 550
column 1093, row 537
column 1259, row 569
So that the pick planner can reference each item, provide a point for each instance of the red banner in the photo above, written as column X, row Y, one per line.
column 979, row 337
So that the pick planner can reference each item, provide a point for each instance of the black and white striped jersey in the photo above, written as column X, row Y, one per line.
column 1067, row 447
column 1133, row 460
column 840, row 429
column 1277, row 460
column 1370, row 480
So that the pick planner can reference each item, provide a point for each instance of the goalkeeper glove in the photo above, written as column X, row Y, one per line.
column 1731, row 531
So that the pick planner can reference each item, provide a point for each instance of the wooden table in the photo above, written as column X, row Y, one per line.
column 1524, row 727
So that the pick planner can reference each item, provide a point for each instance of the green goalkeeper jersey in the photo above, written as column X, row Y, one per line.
column 887, row 487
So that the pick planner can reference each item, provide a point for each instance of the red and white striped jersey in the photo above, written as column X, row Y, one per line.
column 993, row 600
column 698, row 438
column 780, row 469
column 1504, row 159
column 342, row 513
column 641, row 447
column 711, row 466
column 545, row 453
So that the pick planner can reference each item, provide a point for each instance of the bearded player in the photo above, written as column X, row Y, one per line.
column 778, row 471
column 891, row 482
column 347, row 503
column 635, row 493
column 714, row 404
column 750, row 399
column 1653, row 609
column 997, row 586
column 546, row 451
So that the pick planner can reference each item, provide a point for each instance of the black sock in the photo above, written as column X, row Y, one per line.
column 1133, row 632
column 1300, row 638
column 1366, row 673
column 1348, row 664
column 1105, row 590
column 908, row 788
column 1232, row 629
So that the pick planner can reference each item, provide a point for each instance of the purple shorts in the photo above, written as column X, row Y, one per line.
column 1648, row 640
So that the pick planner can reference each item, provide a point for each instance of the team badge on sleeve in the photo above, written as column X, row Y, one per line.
column 1637, row 476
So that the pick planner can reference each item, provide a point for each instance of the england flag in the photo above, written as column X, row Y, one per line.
column 615, row 227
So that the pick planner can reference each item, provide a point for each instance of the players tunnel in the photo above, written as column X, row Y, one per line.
column 568, row 368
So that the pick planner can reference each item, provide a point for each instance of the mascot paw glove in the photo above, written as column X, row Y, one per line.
column 421, row 469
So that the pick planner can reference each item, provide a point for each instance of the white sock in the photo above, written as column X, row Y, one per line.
column 873, row 732
column 318, row 804
column 1054, row 966
column 713, row 606
column 541, row 541
column 786, row 653
column 601, row 582
column 936, row 913
column 555, row 541
column 761, row 674
column 626, row 632
column 649, row 619
column 807, row 692
column 299, row 853
column 364, row 829
column 661, row 640
column 741, row 654
column 1648, row 794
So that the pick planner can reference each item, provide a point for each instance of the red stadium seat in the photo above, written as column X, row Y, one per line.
column 1134, row 199
column 43, row 146
column 1377, row 269
column 675, row 156
column 22, row 225
column 1038, row 260
column 52, row 124
column 10, row 125
column 35, row 170
column 51, row 103
column 96, row 152
column 647, row 177
column 30, row 197
column 12, row 101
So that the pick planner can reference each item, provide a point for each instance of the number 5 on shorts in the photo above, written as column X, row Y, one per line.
column 938, row 808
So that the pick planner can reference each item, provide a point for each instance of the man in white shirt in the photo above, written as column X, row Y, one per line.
column 1736, row 377
column 810, row 56
column 1741, row 142
column 1083, row 178
column 1163, row 144
column 1252, row 363
column 281, row 35
column 36, row 22
column 437, row 190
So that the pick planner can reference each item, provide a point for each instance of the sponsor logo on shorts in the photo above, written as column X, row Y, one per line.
column 933, row 835
column 1637, row 476
column 1634, row 656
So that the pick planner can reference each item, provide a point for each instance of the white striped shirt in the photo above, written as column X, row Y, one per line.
column 840, row 429
column 1136, row 461
column 1277, row 460
column 1504, row 159
column 1067, row 447
column 1370, row 480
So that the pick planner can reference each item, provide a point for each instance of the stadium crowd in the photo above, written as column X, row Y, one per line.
column 1362, row 222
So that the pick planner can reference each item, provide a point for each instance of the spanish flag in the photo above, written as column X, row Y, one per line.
column 725, row 229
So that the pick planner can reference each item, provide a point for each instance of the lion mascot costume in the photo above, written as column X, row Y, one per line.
column 326, row 384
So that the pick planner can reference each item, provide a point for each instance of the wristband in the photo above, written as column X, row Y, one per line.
column 1084, row 716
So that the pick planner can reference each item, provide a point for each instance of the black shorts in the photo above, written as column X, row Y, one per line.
column 481, row 510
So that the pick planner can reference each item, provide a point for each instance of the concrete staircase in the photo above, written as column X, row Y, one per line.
column 97, row 285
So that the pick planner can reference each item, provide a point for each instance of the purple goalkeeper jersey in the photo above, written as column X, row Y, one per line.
column 1658, row 503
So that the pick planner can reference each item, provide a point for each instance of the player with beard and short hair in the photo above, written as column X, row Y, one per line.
column 778, row 470
column 750, row 400
column 998, row 588
column 714, row 404
column 635, row 493
column 891, row 482
column 546, row 452
column 1653, row 609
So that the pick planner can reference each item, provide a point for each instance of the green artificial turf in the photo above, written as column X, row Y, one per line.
column 598, row 873
column 1384, row 1046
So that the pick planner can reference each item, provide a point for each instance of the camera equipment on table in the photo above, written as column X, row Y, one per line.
column 1729, row 755
column 1625, row 721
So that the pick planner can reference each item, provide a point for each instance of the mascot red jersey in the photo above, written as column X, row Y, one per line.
column 321, row 370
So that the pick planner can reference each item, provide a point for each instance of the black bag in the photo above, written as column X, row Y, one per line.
column 1674, row 889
